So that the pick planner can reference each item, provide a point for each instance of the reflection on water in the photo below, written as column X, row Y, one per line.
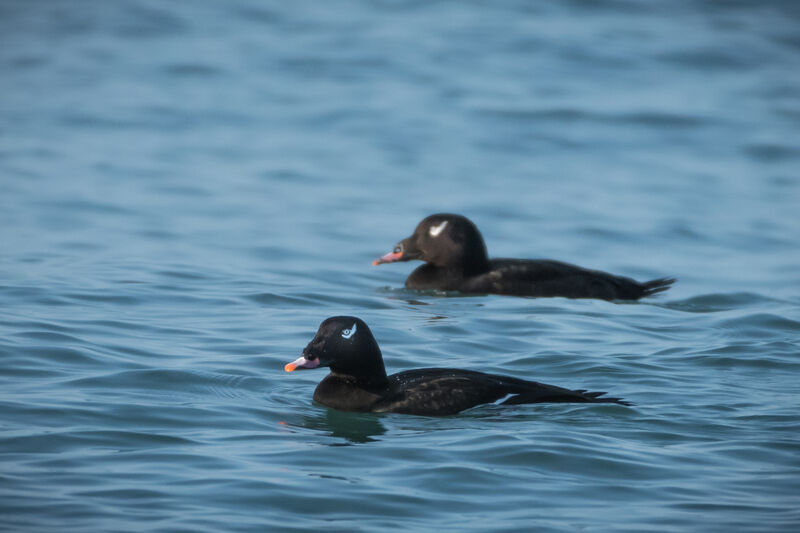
column 355, row 428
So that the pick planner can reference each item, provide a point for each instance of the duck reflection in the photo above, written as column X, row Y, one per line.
column 355, row 428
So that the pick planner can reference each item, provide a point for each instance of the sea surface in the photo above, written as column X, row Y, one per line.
column 187, row 189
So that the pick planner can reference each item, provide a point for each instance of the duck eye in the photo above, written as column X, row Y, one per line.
column 347, row 333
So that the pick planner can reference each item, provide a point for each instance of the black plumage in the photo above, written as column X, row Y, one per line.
column 358, row 380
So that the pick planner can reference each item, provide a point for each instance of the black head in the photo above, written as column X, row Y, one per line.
column 346, row 345
column 444, row 240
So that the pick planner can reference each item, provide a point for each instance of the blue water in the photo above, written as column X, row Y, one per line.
column 187, row 189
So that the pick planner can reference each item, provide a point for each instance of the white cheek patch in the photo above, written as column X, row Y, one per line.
column 346, row 334
column 436, row 230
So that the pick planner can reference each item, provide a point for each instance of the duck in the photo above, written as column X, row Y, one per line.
column 456, row 259
column 358, row 381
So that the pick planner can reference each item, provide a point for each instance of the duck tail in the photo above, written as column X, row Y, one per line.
column 654, row 286
column 595, row 397
column 550, row 394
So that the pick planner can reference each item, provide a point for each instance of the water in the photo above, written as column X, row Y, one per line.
column 188, row 189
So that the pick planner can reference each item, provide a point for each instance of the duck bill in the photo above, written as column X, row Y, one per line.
column 391, row 257
column 301, row 363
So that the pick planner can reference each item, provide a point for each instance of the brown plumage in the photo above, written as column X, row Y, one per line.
column 456, row 260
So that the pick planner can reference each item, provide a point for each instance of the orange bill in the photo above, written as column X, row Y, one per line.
column 301, row 362
column 391, row 257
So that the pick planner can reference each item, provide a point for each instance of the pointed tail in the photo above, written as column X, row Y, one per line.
column 552, row 394
column 595, row 397
column 655, row 286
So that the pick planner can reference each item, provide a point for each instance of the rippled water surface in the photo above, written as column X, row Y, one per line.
column 187, row 189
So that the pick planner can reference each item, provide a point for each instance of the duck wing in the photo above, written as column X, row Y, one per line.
column 444, row 391
column 547, row 278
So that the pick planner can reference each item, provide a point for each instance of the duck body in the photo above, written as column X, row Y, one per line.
column 535, row 277
column 358, row 380
column 456, row 260
column 442, row 392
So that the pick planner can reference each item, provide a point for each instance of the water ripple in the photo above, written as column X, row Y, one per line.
column 187, row 190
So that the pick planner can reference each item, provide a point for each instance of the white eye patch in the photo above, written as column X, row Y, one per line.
column 346, row 334
column 436, row 230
